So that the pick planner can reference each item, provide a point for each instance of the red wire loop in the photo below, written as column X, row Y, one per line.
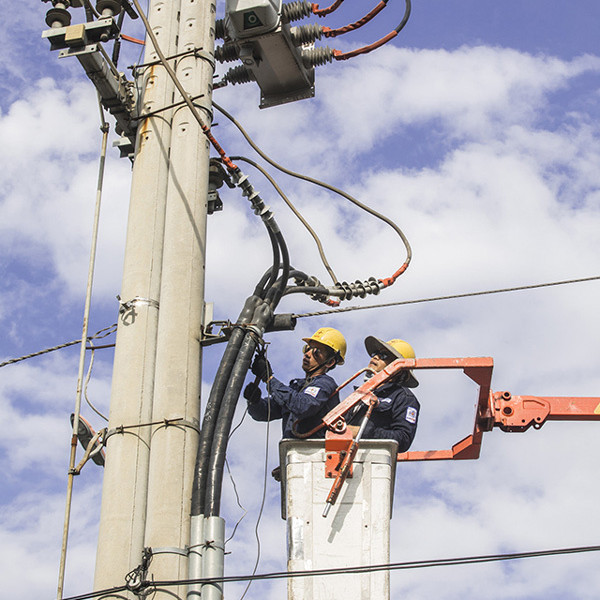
column 321, row 12
column 327, row 32
column 339, row 55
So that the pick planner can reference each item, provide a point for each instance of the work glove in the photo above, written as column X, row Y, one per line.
column 252, row 393
column 261, row 368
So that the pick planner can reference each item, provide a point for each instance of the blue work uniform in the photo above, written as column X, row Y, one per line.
column 394, row 418
column 304, row 400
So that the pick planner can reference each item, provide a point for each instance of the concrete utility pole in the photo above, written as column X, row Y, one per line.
column 178, row 360
column 149, row 470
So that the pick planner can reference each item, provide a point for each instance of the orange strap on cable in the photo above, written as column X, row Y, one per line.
column 339, row 55
column 390, row 280
column 133, row 40
column 231, row 166
column 327, row 32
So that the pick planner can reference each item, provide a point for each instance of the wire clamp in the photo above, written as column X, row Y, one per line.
column 135, row 580
column 129, row 305
column 170, row 550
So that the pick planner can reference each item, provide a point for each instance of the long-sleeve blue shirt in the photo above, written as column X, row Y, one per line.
column 303, row 400
column 394, row 418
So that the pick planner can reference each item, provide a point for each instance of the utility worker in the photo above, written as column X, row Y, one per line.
column 396, row 414
column 304, row 401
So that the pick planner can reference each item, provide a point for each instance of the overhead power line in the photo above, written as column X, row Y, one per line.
column 399, row 566
column 100, row 334
column 534, row 286
column 449, row 297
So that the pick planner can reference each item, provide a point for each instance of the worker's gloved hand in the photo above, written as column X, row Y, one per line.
column 252, row 393
column 261, row 368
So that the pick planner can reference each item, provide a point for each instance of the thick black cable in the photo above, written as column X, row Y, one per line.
column 261, row 318
column 275, row 245
column 319, row 183
column 294, row 210
column 213, row 405
column 449, row 297
column 274, row 295
column 419, row 564
column 117, row 45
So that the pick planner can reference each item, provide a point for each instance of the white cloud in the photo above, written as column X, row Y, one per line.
column 506, row 192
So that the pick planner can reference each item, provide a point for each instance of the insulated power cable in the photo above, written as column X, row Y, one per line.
column 330, row 33
column 385, row 282
column 398, row 566
column 294, row 210
column 449, row 297
column 338, row 55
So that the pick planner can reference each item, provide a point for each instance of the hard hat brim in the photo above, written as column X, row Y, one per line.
column 373, row 345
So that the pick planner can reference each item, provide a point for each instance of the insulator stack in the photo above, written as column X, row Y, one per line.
column 294, row 11
column 306, row 34
column 220, row 29
column 358, row 289
column 314, row 57
column 238, row 74
column 226, row 53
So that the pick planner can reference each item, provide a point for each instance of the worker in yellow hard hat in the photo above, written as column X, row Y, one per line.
column 304, row 401
column 396, row 414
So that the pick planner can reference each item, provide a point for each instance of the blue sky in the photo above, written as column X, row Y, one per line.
column 477, row 131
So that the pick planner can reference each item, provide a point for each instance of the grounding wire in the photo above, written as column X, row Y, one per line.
column 235, row 491
column 87, row 382
column 449, row 297
column 399, row 566
column 237, row 498
column 322, row 184
column 84, row 335
column 294, row 210
column 264, row 490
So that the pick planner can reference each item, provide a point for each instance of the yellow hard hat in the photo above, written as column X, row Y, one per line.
column 332, row 338
column 397, row 348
